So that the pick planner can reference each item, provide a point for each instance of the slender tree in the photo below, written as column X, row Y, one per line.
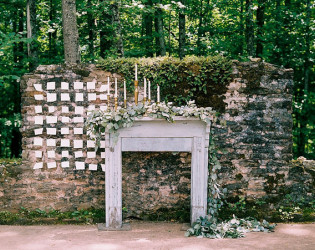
column 161, row 49
column 304, row 119
column 32, row 33
column 277, row 45
column 148, row 22
column 106, row 30
column 14, row 29
column 52, row 36
column 200, row 28
column 260, row 17
column 181, row 32
column 117, row 27
column 91, row 28
column 70, row 32
column 307, row 47
column 21, row 51
column 249, row 31
column 241, row 29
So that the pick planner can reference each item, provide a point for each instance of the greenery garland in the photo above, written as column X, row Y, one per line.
column 99, row 121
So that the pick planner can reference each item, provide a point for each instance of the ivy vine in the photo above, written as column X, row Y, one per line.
column 110, row 120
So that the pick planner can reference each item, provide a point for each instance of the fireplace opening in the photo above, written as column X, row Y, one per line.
column 156, row 186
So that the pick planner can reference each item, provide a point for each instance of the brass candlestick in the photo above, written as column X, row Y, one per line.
column 116, row 103
column 125, row 103
column 136, row 92
column 108, row 100
column 144, row 100
column 149, row 101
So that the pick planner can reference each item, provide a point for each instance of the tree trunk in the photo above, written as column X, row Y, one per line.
column 199, row 33
column 249, row 35
column 32, row 33
column 260, row 17
column 21, row 29
column 277, row 57
column 148, row 22
column 241, row 29
column 305, row 114
column 160, row 33
column 307, row 47
column 286, row 27
column 182, row 32
column 70, row 32
column 106, row 34
column 106, row 31
column 14, row 29
column 117, row 27
column 52, row 36
column 156, row 36
column 169, row 33
column 90, row 24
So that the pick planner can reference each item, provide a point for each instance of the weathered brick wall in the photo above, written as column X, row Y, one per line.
column 255, row 148
column 258, row 135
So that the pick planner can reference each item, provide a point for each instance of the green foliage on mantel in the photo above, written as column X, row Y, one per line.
column 201, row 79
column 111, row 120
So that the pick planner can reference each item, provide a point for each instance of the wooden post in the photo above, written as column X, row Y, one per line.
column 113, row 182
column 199, row 178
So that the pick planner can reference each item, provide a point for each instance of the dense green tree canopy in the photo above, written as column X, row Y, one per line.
column 280, row 32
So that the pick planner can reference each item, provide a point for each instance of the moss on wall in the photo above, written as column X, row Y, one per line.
column 203, row 79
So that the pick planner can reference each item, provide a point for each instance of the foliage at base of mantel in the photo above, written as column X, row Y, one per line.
column 234, row 228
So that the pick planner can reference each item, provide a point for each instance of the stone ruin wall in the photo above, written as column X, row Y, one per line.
column 255, row 147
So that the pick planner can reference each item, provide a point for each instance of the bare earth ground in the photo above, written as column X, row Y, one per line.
column 148, row 235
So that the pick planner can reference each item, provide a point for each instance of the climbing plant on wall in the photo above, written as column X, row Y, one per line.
column 110, row 120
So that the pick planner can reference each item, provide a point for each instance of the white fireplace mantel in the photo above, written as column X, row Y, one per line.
column 157, row 135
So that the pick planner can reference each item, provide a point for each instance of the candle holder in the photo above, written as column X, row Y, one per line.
column 116, row 103
column 149, row 101
column 125, row 103
column 136, row 92
column 108, row 100
column 144, row 100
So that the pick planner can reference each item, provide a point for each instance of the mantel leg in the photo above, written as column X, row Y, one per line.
column 113, row 183
column 199, row 179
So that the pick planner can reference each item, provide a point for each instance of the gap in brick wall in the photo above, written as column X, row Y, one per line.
column 156, row 186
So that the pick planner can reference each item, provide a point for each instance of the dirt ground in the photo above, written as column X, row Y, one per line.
column 148, row 235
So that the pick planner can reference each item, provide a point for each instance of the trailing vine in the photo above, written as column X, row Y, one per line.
column 110, row 120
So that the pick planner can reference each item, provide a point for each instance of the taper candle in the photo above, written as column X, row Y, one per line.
column 108, row 85
column 158, row 93
column 115, row 87
column 136, row 72
column 145, row 88
column 125, row 92
column 149, row 88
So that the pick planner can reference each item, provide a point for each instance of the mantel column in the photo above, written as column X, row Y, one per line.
column 199, row 178
column 113, row 182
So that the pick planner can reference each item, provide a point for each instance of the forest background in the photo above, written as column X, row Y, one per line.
column 280, row 32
